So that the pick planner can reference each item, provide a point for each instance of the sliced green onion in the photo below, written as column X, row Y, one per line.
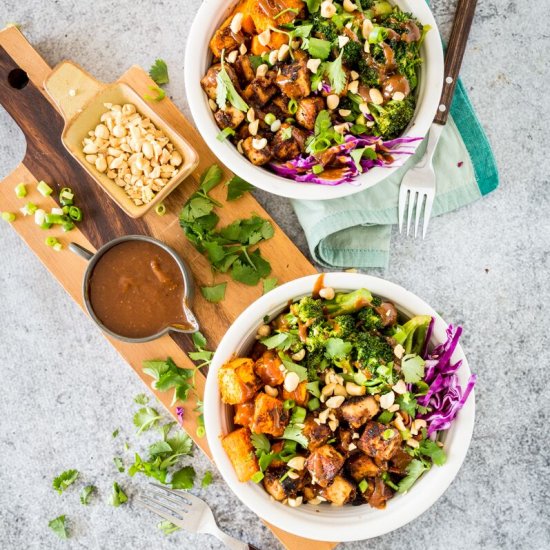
column 270, row 118
column 51, row 241
column 21, row 190
column 66, row 196
column 57, row 247
column 68, row 226
column 65, row 209
column 313, row 404
column 201, row 432
column 57, row 211
column 292, row 106
column 29, row 209
column 257, row 477
column 288, row 404
column 55, row 218
column 225, row 133
column 298, row 415
column 385, row 417
column 160, row 209
column 44, row 189
column 363, row 485
column 317, row 169
column 388, row 434
column 75, row 213
column 8, row 216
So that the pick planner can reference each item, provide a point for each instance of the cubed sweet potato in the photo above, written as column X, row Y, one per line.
column 244, row 413
column 238, row 381
column 340, row 491
column 240, row 451
column 300, row 395
column 267, row 368
column 269, row 416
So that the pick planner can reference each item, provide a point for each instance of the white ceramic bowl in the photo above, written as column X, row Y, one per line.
column 198, row 58
column 326, row 522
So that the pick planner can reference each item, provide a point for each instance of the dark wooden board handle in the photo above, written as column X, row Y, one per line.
column 464, row 16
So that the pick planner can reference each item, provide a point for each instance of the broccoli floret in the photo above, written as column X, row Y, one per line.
column 369, row 319
column 343, row 327
column 344, row 304
column 324, row 28
column 366, row 4
column 367, row 74
column 317, row 335
column 407, row 57
column 308, row 310
column 353, row 54
column 315, row 362
column 372, row 351
column 393, row 117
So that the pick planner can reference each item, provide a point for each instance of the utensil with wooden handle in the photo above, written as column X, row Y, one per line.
column 419, row 183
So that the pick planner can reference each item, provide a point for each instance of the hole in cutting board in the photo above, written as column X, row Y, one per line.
column 18, row 79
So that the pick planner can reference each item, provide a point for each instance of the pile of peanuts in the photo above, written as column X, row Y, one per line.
column 132, row 151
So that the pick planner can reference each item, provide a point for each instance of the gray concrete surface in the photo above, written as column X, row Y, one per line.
column 64, row 389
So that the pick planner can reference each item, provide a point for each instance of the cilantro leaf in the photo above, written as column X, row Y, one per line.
column 412, row 367
column 414, row 470
column 269, row 284
column 214, row 293
column 167, row 527
column 59, row 527
column 260, row 442
column 225, row 91
column 336, row 75
column 160, row 447
column 434, row 451
column 199, row 340
column 141, row 399
column 237, row 187
column 159, row 72
column 118, row 496
column 294, row 367
column 86, row 493
column 184, row 478
column 207, row 479
column 280, row 340
column 181, row 443
column 150, row 468
column 248, row 274
column 119, row 464
column 295, row 434
column 115, row 433
column 146, row 418
column 336, row 348
column 407, row 402
column 211, row 178
column 160, row 94
column 63, row 480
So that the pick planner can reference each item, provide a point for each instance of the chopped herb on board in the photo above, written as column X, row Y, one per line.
column 214, row 293
column 159, row 72
column 231, row 249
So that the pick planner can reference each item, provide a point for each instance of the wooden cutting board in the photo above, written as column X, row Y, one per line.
column 47, row 159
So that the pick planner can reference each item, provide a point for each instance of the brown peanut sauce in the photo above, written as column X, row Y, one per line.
column 136, row 289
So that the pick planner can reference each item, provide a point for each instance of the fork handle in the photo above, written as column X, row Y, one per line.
column 230, row 542
column 464, row 16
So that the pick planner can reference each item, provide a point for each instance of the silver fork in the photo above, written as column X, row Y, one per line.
column 419, row 183
column 188, row 512
column 418, row 186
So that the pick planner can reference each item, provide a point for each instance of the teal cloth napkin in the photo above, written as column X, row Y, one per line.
column 355, row 231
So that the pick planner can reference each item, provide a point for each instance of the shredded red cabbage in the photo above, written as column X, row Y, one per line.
column 445, row 397
column 301, row 168
column 179, row 412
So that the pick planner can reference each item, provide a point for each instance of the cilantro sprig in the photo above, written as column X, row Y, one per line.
column 59, row 527
column 231, row 249
column 159, row 72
